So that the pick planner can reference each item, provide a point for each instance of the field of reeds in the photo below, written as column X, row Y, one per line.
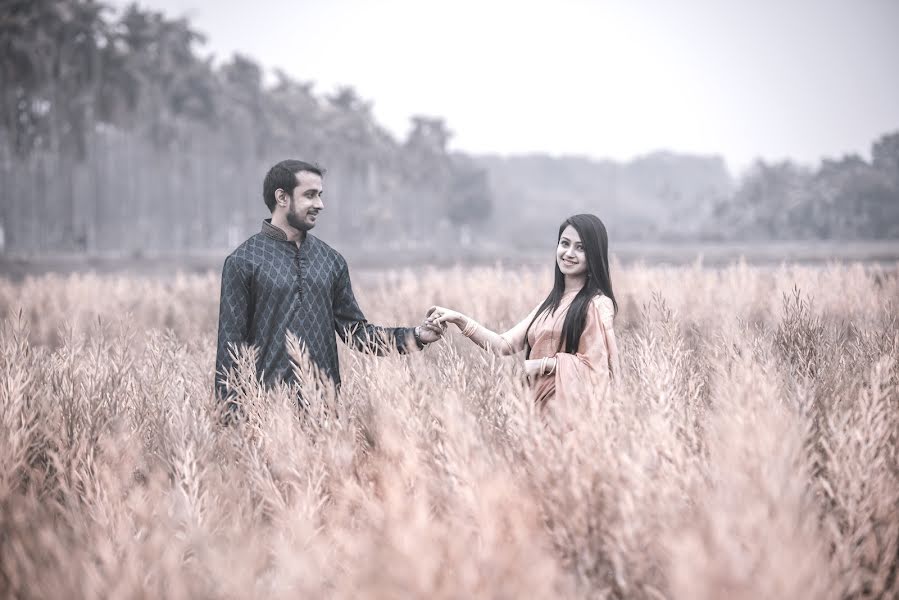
column 749, row 450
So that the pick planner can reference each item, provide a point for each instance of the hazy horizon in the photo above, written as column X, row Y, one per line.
column 610, row 80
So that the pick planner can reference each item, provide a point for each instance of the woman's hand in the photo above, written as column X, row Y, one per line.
column 533, row 367
column 439, row 316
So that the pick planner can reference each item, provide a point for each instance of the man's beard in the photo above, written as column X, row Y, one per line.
column 294, row 221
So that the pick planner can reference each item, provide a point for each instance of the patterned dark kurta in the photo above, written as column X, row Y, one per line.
column 270, row 286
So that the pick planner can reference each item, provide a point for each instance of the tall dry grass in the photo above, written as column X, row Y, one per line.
column 751, row 449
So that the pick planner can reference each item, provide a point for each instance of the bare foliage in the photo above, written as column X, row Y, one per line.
column 750, row 448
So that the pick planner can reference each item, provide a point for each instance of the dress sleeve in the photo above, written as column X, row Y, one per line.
column 606, row 311
column 235, row 310
column 355, row 331
column 589, row 366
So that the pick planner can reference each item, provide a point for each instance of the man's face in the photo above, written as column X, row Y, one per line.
column 306, row 201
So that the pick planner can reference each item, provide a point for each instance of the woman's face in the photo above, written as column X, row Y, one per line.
column 570, row 253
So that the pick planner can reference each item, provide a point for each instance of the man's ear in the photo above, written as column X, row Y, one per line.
column 281, row 197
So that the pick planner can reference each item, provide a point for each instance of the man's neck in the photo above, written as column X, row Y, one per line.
column 297, row 236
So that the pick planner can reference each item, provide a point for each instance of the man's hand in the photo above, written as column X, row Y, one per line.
column 428, row 333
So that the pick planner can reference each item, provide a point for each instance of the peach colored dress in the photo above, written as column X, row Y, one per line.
column 574, row 373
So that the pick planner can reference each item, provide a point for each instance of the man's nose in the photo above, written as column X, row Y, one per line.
column 319, row 204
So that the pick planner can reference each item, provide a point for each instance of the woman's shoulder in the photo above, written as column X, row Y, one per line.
column 602, row 301
column 605, row 307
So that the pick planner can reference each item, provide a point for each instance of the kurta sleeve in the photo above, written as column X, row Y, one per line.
column 235, row 309
column 576, row 373
column 355, row 331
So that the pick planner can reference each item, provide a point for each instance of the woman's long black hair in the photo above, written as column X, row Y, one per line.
column 596, row 250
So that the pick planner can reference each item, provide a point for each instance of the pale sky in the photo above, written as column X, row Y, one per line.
column 615, row 79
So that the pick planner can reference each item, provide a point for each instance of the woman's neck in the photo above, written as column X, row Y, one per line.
column 574, row 283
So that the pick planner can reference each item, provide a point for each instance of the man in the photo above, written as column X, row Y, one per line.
column 284, row 279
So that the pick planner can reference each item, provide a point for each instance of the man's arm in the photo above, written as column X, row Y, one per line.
column 235, row 308
column 357, row 332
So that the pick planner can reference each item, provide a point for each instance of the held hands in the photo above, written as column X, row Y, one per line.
column 440, row 316
column 433, row 328
column 430, row 331
column 428, row 334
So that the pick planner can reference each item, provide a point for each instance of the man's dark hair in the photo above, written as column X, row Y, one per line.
column 284, row 176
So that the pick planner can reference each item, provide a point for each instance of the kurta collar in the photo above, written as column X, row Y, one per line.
column 273, row 232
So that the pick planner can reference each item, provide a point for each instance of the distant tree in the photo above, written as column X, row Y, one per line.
column 767, row 198
column 428, row 134
column 834, row 210
column 885, row 156
column 23, row 72
column 244, row 107
column 173, row 85
column 346, row 99
column 877, row 203
column 295, row 114
column 51, row 71
column 470, row 199
column 842, row 199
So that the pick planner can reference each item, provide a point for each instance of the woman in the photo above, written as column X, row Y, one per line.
column 569, row 340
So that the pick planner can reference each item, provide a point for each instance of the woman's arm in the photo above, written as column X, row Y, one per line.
column 510, row 342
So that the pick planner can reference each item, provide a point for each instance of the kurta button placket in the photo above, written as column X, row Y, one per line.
column 299, row 263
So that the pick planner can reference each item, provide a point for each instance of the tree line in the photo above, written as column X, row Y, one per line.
column 118, row 135
column 846, row 198
column 665, row 196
